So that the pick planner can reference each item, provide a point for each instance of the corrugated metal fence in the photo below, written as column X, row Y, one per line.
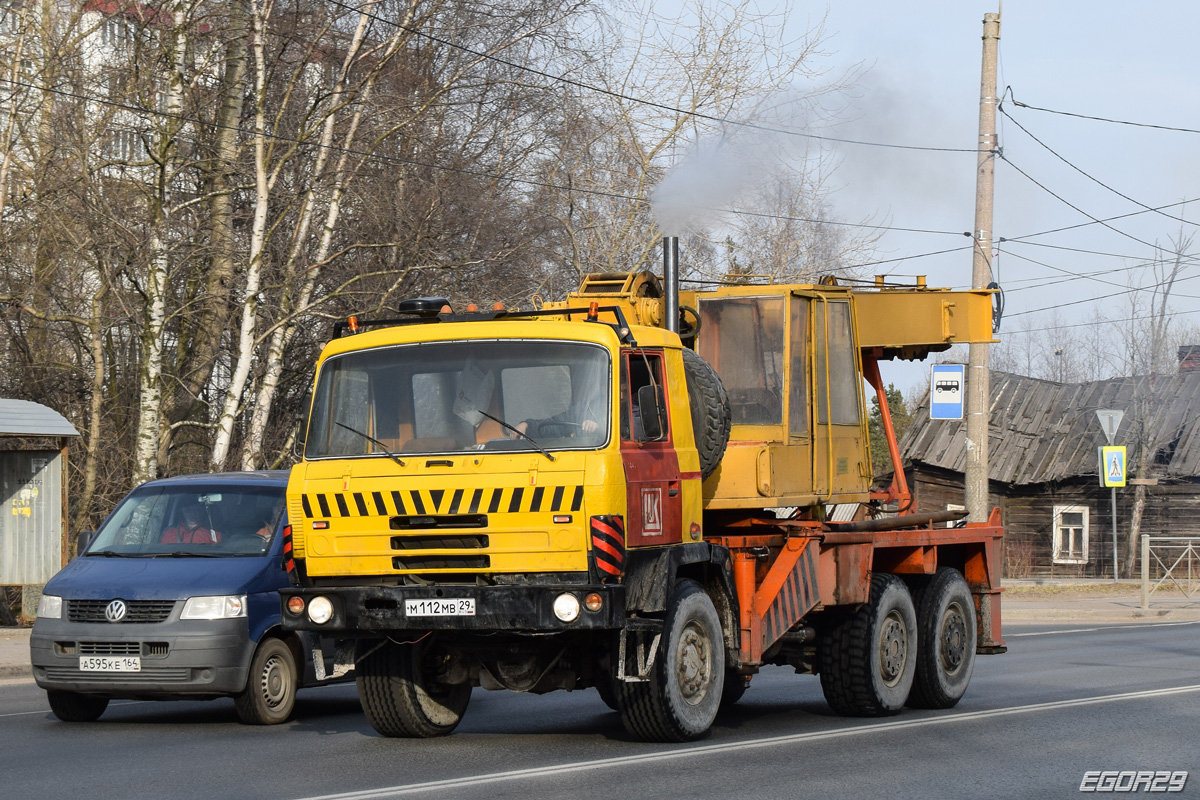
column 31, row 516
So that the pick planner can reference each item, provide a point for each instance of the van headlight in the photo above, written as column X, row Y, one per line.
column 50, row 607
column 223, row 606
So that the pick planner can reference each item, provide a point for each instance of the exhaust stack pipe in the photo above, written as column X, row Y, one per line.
column 671, row 281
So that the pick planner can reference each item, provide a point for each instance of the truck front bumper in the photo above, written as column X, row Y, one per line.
column 522, row 609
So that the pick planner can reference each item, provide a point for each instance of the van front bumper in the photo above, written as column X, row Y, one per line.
column 177, row 658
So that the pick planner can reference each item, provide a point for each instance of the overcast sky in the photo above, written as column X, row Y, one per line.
column 1126, row 61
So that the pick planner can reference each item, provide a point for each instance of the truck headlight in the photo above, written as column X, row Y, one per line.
column 566, row 607
column 223, row 606
column 320, row 610
column 50, row 607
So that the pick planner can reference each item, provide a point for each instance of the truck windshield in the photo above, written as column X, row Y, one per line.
column 450, row 397
column 193, row 520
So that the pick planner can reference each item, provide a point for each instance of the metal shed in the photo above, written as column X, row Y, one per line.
column 33, row 481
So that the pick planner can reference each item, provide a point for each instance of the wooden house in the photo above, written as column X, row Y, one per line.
column 1044, row 467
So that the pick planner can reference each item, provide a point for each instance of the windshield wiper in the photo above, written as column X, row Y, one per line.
column 520, row 433
column 373, row 440
column 109, row 554
column 183, row 554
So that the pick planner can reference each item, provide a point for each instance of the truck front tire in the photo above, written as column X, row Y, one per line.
column 682, row 697
column 869, row 659
column 946, row 636
column 400, row 694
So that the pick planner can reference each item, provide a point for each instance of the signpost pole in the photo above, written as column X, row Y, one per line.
column 1110, row 420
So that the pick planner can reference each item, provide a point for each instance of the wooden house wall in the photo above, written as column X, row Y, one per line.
column 1028, row 517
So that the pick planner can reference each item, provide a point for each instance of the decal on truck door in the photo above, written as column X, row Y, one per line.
column 652, row 521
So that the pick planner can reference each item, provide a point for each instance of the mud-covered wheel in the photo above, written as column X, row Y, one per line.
column 946, row 635
column 869, row 659
column 270, row 693
column 711, row 417
column 400, row 693
column 76, row 707
column 681, row 699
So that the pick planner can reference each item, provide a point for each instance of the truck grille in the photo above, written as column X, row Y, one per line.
column 136, row 610
column 441, row 562
column 440, row 542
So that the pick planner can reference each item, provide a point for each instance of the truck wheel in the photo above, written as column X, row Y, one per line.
column 681, row 699
column 608, row 692
column 711, row 416
column 270, row 693
column 75, row 707
column 400, row 695
column 869, row 659
column 946, row 642
column 735, row 687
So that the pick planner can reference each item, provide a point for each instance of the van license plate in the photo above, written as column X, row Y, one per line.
column 440, row 607
column 110, row 664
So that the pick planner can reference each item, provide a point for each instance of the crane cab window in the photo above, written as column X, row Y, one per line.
column 742, row 337
column 837, row 374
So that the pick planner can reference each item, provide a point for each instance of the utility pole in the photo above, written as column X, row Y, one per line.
column 978, row 394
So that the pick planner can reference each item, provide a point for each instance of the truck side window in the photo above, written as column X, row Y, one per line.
column 636, row 371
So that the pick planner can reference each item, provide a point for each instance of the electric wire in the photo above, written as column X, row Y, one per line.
column 1090, row 177
column 640, row 101
column 1018, row 103
column 397, row 160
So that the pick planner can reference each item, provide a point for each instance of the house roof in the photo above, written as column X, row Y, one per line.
column 1042, row 431
column 23, row 418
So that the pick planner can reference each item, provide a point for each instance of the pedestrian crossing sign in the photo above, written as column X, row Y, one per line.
column 1112, row 466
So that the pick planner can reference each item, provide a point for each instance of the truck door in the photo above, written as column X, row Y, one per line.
column 652, row 479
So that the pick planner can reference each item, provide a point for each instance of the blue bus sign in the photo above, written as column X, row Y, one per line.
column 946, row 393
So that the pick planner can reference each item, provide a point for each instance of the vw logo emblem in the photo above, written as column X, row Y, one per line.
column 115, row 612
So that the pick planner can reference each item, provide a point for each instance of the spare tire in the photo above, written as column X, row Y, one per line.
column 711, row 417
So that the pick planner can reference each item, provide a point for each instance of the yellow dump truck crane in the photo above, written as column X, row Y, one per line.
column 635, row 490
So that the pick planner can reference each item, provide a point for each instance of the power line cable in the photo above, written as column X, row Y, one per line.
column 641, row 101
column 1066, row 202
column 1087, row 224
column 1098, row 322
column 1085, row 174
column 396, row 160
column 1019, row 104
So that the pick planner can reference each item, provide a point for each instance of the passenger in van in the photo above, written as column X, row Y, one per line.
column 190, row 529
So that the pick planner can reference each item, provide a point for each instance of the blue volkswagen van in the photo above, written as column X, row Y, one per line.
column 176, row 597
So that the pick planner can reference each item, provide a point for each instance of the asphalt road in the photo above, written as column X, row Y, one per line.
column 1066, row 699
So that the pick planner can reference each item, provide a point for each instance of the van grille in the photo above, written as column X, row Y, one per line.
column 136, row 610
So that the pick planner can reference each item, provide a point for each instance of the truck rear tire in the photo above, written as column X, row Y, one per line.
column 681, row 699
column 400, row 695
column 711, row 417
column 270, row 693
column 76, row 707
column 869, row 659
column 946, row 641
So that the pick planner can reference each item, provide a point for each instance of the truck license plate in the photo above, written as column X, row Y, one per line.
column 110, row 664
column 440, row 607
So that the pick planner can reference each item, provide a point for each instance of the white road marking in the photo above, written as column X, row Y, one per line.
column 692, row 751
column 1129, row 626
column 48, row 711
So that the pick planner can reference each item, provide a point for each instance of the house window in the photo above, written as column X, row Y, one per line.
column 124, row 144
column 1070, row 534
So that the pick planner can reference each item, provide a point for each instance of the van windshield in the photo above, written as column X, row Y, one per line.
column 448, row 397
column 193, row 520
